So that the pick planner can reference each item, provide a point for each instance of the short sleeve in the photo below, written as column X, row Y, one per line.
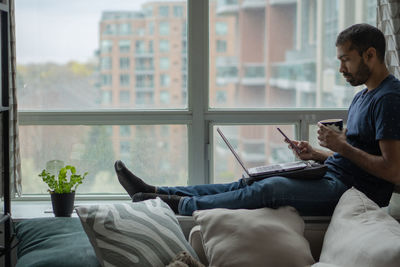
column 387, row 117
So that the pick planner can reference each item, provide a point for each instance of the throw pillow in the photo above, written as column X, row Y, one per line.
column 361, row 234
column 259, row 237
column 144, row 233
column 59, row 241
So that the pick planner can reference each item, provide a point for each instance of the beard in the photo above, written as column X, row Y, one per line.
column 360, row 77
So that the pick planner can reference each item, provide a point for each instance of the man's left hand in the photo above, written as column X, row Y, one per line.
column 331, row 139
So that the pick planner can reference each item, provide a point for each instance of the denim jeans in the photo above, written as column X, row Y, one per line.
column 309, row 197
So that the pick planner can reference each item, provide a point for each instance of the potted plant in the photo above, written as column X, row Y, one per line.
column 62, row 189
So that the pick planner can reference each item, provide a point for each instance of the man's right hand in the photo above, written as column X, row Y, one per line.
column 306, row 150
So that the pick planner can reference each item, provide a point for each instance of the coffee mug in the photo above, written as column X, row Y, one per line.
column 334, row 124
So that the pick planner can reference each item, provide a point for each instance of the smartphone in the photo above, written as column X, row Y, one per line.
column 290, row 142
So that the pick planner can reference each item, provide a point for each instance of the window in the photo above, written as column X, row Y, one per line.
column 106, row 97
column 124, row 46
column 124, row 130
column 125, row 29
column 124, row 80
column 164, row 63
column 178, row 11
column 124, row 97
column 293, row 68
column 73, row 93
column 125, row 147
column 143, row 98
column 124, row 63
column 142, row 64
column 221, row 46
column 184, row 47
column 151, row 48
column 164, row 28
column 164, row 97
column 164, row 45
column 110, row 29
column 140, row 47
column 106, row 79
column 221, row 96
column 151, row 28
column 164, row 80
column 163, row 11
column 221, row 28
column 106, row 46
column 106, row 63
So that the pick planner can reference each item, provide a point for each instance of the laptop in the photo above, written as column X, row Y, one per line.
column 267, row 169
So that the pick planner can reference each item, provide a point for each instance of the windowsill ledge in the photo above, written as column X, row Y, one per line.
column 21, row 210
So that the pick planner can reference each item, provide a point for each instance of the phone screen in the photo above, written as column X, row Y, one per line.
column 290, row 142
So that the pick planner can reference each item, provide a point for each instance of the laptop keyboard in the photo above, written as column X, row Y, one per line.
column 268, row 168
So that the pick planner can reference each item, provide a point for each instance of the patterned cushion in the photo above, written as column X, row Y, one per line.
column 144, row 233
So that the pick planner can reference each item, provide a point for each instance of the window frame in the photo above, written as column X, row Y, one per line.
column 198, row 116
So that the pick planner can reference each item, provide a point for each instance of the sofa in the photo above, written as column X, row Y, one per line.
column 147, row 233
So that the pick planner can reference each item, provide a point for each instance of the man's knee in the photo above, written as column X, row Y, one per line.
column 273, row 189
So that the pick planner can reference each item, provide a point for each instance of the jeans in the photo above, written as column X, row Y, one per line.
column 310, row 197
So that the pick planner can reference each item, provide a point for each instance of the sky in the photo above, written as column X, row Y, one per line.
column 61, row 31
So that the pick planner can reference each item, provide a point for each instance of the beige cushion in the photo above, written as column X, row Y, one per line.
column 361, row 234
column 260, row 237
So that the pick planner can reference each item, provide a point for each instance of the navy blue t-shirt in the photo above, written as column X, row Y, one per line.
column 372, row 116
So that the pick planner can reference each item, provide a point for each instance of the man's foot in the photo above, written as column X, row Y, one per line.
column 171, row 200
column 131, row 182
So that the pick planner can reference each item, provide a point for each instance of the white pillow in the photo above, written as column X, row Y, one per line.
column 144, row 233
column 259, row 237
column 361, row 234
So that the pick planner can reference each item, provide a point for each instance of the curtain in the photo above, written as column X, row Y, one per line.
column 388, row 21
column 15, row 159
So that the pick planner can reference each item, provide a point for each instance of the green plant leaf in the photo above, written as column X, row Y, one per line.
column 61, row 184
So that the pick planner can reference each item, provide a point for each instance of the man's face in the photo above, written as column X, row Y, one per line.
column 352, row 65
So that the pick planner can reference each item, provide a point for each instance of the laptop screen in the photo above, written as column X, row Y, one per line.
column 233, row 151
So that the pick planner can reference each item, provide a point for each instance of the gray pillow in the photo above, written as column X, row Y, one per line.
column 259, row 237
column 144, row 233
column 361, row 234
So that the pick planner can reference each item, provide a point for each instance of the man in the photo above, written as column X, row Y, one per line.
column 366, row 155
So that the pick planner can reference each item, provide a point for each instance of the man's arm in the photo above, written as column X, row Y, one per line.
column 386, row 166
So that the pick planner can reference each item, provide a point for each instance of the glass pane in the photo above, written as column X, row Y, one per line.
column 256, row 145
column 263, row 54
column 73, row 53
column 157, row 153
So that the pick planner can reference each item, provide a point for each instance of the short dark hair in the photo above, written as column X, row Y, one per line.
column 363, row 36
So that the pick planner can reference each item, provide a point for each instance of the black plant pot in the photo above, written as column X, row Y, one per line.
column 63, row 204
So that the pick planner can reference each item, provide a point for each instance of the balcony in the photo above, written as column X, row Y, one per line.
column 227, row 74
column 145, row 88
column 227, row 7
column 282, row 2
column 144, row 54
column 254, row 4
column 254, row 74
column 144, row 70
column 227, row 70
column 300, row 75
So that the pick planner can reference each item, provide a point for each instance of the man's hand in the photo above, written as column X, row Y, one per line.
column 335, row 141
column 307, row 152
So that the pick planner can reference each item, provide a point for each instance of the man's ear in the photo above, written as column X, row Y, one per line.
column 370, row 54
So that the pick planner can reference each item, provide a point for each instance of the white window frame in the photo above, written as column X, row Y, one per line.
column 198, row 117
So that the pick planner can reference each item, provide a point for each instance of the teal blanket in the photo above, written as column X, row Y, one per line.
column 53, row 241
